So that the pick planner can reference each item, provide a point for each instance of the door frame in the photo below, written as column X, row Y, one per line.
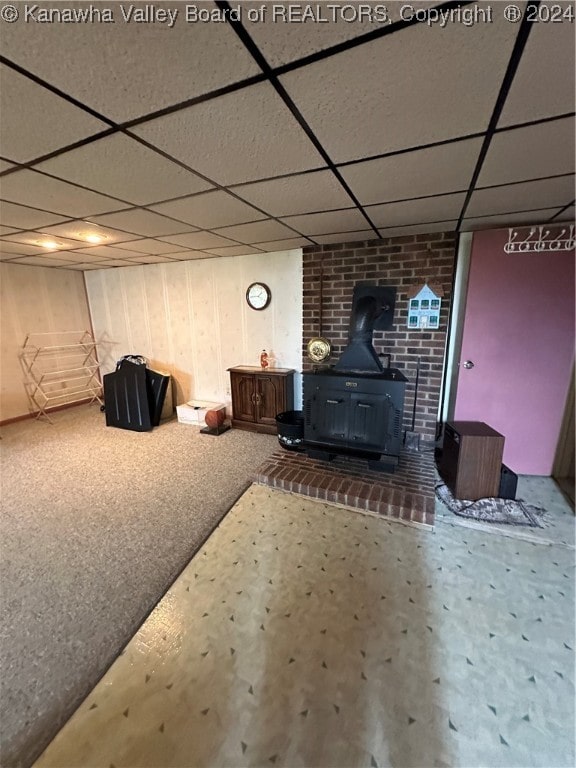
column 563, row 467
column 456, row 328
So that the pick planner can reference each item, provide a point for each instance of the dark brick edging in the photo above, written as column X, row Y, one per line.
column 406, row 495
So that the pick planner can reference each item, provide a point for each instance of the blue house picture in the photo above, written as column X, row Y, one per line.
column 424, row 306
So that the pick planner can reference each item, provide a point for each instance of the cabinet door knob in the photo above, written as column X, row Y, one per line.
column 468, row 364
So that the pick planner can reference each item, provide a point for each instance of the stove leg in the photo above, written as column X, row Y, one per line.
column 321, row 455
column 383, row 464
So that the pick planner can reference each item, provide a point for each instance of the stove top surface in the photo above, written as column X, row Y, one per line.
column 388, row 374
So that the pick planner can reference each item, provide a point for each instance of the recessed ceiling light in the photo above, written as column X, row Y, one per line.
column 92, row 237
column 50, row 245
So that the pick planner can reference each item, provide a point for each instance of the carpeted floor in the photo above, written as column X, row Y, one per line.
column 96, row 524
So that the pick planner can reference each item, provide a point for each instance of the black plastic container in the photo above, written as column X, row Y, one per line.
column 508, row 483
column 290, row 426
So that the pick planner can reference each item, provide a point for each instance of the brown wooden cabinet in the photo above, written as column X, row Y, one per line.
column 259, row 395
column 471, row 459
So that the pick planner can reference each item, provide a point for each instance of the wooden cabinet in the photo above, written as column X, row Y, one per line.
column 259, row 395
column 471, row 459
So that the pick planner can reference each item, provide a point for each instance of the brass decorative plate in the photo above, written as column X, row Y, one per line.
column 318, row 349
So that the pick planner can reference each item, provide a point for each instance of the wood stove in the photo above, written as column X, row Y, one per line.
column 357, row 406
column 355, row 414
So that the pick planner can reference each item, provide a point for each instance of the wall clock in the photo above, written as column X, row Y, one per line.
column 258, row 295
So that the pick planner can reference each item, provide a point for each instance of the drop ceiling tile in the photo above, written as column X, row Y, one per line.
column 376, row 98
column 140, row 66
column 304, row 193
column 77, row 258
column 7, row 230
column 187, row 254
column 199, row 240
column 418, row 229
column 122, row 167
column 22, row 217
column 286, row 33
column 257, row 232
column 38, row 191
column 39, row 261
column 345, row 237
column 106, row 252
column 507, row 219
column 116, row 263
column 314, row 224
column 12, row 248
column 447, row 168
column 414, row 212
column 210, row 209
column 363, row 235
column 567, row 215
column 234, row 250
column 540, row 150
column 78, row 230
column 88, row 259
column 543, row 85
column 79, row 267
column 284, row 245
column 38, row 238
column 151, row 246
column 153, row 259
column 267, row 140
column 530, row 195
column 34, row 121
column 141, row 222
column 191, row 256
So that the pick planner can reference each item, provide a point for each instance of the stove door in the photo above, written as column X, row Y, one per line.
column 369, row 422
column 330, row 417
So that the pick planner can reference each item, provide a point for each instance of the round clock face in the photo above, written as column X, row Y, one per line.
column 258, row 295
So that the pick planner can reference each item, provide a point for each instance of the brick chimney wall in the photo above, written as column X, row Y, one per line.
column 398, row 261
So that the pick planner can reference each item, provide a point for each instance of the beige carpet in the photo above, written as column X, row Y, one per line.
column 96, row 524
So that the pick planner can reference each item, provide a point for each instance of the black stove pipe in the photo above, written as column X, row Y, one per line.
column 360, row 355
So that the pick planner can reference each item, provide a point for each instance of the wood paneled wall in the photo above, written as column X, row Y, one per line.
column 191, row 318
column 34, row 299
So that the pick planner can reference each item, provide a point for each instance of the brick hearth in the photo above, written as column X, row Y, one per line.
column 406, row 495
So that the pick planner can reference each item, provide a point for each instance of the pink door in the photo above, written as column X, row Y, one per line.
column 517, row 348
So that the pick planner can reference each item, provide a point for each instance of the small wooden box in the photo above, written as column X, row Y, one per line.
column 471, row 459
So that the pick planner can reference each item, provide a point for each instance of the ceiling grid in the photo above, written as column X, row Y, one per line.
column 271, row 135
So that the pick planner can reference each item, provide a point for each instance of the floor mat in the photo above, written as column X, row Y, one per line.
column 492, row 510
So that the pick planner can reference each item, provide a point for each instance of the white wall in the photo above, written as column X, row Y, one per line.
column 34, row 300
column 191, row 318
